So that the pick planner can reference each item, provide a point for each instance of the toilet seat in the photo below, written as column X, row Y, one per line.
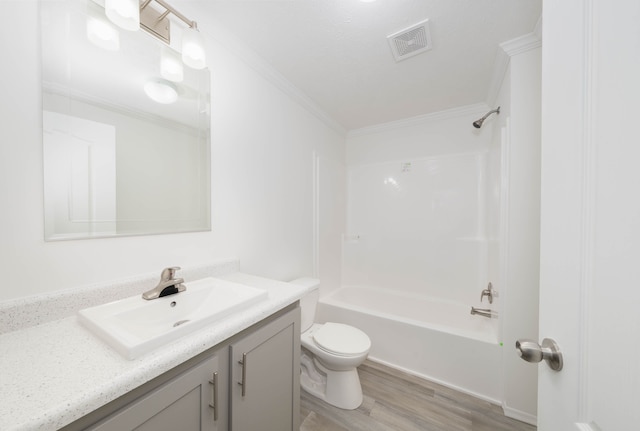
column 342, row 340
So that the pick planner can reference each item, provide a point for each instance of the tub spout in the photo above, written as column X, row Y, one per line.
column 485, row 312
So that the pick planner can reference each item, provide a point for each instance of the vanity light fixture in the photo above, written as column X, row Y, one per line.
column 193, row 48
column 131, row 15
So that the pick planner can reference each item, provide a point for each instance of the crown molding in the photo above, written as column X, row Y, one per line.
column 508, row 49
column 262, row 67
column 420, row 120
column 521, row 44
column 212, row 28
column 268, row 72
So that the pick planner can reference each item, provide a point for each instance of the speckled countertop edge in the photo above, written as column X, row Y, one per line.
column 57, row 372
column 20, row 313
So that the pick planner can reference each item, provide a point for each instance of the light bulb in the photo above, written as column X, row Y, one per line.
column 193, row 54
column 123, row 13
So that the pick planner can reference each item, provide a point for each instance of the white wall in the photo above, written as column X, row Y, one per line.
column 520, row 101
column 262, row 184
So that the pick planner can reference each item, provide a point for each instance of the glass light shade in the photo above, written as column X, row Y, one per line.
column 170, row 65
column 193, row 54
column 102, row 34
column 161, row 91
column 123, row 13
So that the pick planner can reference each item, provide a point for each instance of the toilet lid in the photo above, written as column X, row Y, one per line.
column 341, row 339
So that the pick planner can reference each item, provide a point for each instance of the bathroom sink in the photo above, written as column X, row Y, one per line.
column 134, row 326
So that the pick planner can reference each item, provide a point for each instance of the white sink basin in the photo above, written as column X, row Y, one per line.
column 135, row 326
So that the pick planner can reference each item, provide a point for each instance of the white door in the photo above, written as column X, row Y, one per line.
column 590, row 227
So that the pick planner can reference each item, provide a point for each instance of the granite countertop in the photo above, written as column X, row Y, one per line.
column 57, row 372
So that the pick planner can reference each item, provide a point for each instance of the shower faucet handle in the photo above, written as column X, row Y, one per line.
column 489, row 292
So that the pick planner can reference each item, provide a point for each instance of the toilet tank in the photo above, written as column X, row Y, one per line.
column 308, row 302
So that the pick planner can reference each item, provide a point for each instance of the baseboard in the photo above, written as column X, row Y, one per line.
column 438, row 381
column 519, row 415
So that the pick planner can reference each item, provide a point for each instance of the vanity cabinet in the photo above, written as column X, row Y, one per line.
column 249, row 382
column 185, row 403
column 265, row 393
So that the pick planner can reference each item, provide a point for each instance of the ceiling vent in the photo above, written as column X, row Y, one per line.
column 410, row 41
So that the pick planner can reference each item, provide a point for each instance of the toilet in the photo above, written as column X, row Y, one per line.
column 331, row 352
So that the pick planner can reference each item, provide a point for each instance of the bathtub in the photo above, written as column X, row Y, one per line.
column 430, row 338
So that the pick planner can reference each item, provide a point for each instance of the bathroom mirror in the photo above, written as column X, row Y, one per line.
column 116, row 162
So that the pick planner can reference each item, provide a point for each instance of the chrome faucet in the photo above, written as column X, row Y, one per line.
column 168, row 285
column 490, row 293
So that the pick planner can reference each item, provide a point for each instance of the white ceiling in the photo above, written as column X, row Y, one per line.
column 336, row 51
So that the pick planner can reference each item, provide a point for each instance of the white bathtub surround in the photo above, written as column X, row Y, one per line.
column 431, row 338
column 421, row 225
column 56, row 372
column 422, row 242
column 419, row 203
column 425, row 226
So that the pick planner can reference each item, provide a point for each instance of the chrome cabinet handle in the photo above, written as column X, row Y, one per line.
column 243, row 383
column 531, row 351
column 214, row 402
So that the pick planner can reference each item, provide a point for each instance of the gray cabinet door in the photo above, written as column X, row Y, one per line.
column 265, row 373
column 180, row 404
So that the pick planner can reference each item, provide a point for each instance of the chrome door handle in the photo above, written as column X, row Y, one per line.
column 531, row 351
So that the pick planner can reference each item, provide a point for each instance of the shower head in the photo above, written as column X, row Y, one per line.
column 478, row 123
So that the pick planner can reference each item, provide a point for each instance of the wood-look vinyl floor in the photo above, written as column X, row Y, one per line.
column 396, row 401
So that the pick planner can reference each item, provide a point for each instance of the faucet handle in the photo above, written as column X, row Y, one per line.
column 486, row 293
column 489, row 292
column 169, row 273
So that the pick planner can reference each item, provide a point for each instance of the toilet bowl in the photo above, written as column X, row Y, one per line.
column 331, row 353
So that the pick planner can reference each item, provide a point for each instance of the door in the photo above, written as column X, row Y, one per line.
column 590, row 225
column 265, row 377
column 185, row 403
